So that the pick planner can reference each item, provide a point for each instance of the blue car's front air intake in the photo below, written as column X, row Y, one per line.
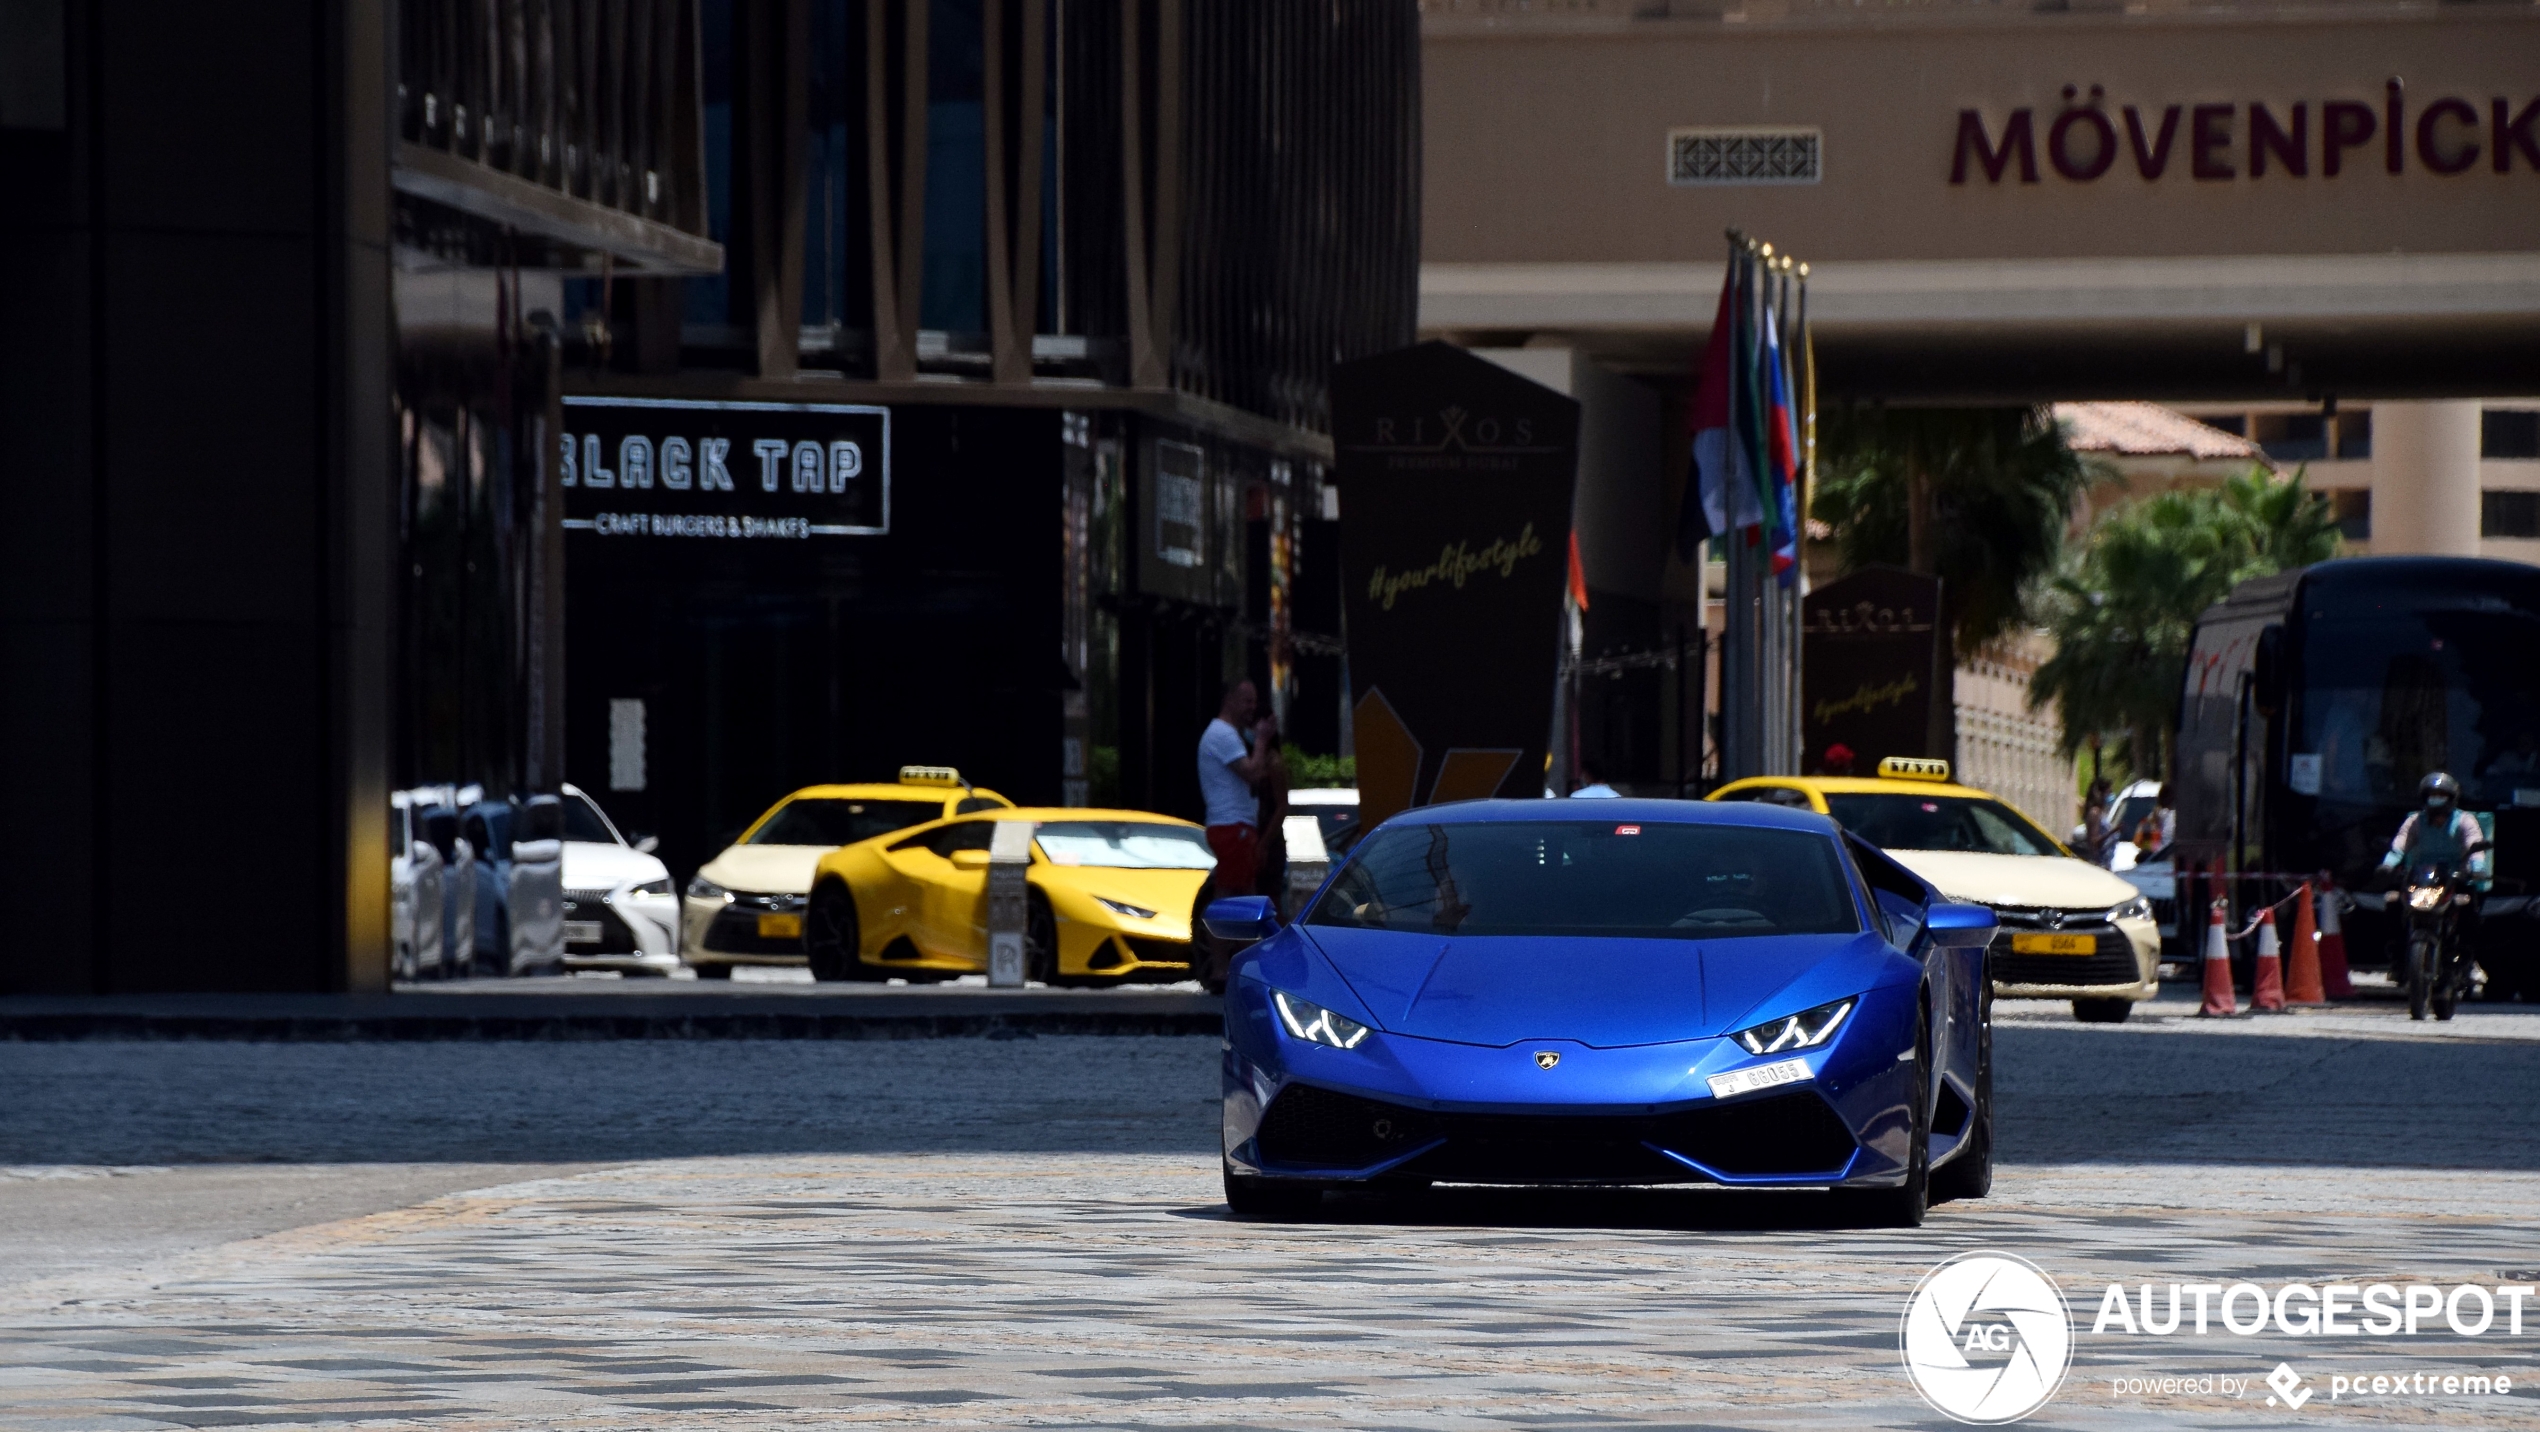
column 1790, row 1135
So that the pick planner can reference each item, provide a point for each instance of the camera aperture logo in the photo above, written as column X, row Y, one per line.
column 1987, row 1338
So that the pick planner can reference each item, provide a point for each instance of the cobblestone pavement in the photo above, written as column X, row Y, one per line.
column 1027, row 1232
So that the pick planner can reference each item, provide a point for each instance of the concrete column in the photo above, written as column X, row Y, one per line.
column 2425, row 479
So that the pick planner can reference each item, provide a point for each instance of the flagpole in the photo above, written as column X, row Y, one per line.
column 1805, row 348
column 1776, row 691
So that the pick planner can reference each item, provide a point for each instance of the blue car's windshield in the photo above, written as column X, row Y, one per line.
column 1573, row 877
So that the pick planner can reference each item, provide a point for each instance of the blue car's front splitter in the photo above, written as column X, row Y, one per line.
column 1557, row 1111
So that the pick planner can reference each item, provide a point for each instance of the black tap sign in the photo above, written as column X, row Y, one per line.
column 675, row 467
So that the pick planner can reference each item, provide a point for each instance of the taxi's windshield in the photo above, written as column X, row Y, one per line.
column 1125, row 845
column 1629, row 879
column 1910, row 820
column 823, row 820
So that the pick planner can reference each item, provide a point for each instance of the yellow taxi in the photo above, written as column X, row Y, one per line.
column 2070, row 930
column 1112, row 897
column 745, row 906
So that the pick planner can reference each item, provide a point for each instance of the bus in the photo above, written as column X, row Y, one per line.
column 2315, row 700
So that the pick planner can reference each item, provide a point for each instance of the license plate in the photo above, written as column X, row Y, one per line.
column 2053, row 945
column 1761, row 1076
column 780, row 927
column 581, row 932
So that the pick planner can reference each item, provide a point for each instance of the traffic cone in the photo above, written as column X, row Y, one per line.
column 2266, row 986
column 2333, row 980
column 2218, row 996
column 2302, row 964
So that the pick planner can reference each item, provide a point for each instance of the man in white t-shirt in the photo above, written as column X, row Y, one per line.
column 1227, row 775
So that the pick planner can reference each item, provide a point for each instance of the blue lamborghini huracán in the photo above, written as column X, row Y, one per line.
column 1610, row 992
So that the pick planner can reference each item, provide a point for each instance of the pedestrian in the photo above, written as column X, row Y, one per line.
column 1271, row 851
column 1592, row 783
column 1227, row 775
column 2152, row 834
column 1838, row 760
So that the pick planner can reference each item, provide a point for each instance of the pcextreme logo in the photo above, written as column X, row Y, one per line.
column 1987, row 1338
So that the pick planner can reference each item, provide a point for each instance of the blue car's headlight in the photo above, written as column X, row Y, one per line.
column 1316, row 1025
column 1804, row 1030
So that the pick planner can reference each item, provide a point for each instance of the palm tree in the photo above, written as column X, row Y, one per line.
column 2123, row 610
column 1978, row 496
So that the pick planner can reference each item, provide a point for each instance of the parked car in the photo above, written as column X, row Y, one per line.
column 414, row 878
column 1113, row 897
column 2069, row 929
column 1335, row 810
column 745, row 906
column 619, row 909
column 519, row 907
column 436, row 821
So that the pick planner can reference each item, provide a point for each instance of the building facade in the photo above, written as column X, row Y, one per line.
column 2298, row 210
column 405, row 424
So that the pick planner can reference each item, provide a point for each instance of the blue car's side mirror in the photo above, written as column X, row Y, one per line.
column 1243, row 919
column 1965, row 926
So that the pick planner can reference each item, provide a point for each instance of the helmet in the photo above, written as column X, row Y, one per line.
column 2439, row 791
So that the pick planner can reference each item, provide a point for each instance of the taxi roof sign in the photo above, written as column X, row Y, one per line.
column 932, row 776
column 1913, row 768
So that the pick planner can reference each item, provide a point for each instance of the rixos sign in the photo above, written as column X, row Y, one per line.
column 2088, row 139
column 673, row 467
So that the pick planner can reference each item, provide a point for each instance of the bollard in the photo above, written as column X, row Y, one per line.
column 1009, row 902
column 2266, row 984
column 2302, row 962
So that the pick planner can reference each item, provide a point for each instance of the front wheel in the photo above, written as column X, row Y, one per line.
column 2447, row 989
column 1970, row 1174
column 1040, row 942
column 2102, row 1011
column 1278, row 1200
column 2420, row 977
column 833, row 942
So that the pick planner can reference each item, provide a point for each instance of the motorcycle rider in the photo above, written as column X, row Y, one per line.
column 2441, row 833
column 2449, row 838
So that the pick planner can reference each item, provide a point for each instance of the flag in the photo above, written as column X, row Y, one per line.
column 1714, row 470
column 1781, row 464
column 1578, row 573
column 1750, row 502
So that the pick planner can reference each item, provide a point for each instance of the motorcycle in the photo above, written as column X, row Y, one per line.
column 2436, row 971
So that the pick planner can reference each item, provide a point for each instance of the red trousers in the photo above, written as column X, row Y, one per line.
column 1238, row 849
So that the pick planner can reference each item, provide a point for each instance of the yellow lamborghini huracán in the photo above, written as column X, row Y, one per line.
column 1113, row 898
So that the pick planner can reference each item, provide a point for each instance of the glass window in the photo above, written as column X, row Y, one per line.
column 1634, row 880
column 969, row 835
column 1906, row 821
column 972, row 805
column 1126, row 845
column 583, row 822
column 2509, row 514
column 2354, row 434
column 826, row 821
column 708, row 298
column 2293, row 437
column 955, row 296
column 2387, row 701
column 2507, row 433
column 2352, row 507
